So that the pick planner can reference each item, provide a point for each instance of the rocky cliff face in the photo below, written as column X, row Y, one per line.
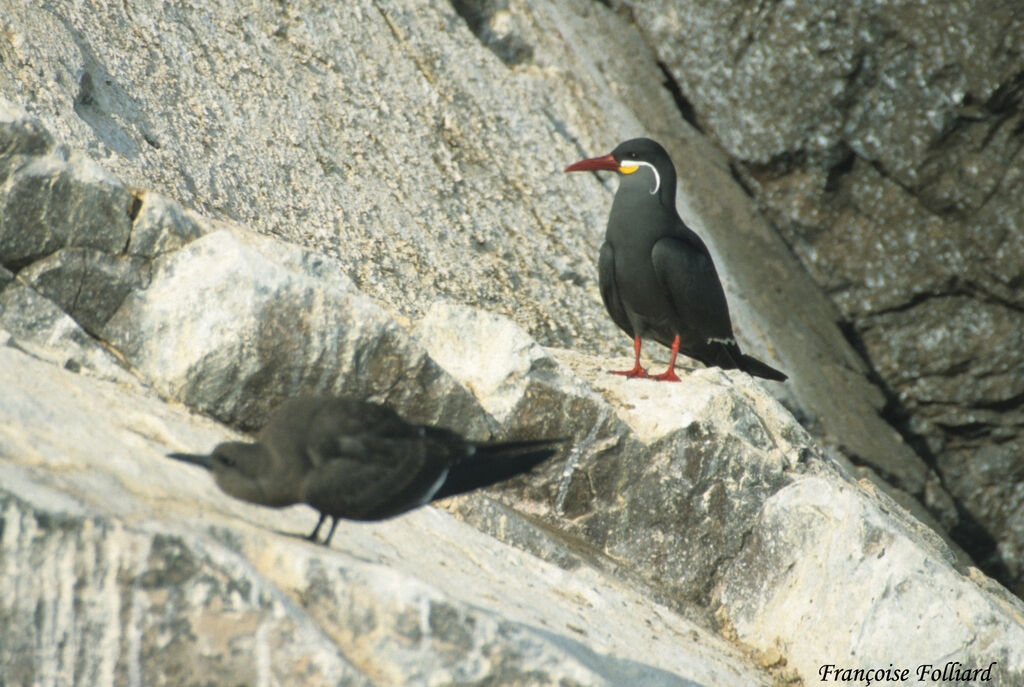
column 228, row 206
column 884, row 141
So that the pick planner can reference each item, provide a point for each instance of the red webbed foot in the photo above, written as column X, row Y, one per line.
column 635, row 372
column 668, row 375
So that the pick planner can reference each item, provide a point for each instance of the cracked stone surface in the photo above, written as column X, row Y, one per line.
column 144, row 568
column 899, row 184
column 418, row 146
column 351, row 198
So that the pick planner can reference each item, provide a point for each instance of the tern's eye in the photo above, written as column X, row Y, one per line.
column 226, row 461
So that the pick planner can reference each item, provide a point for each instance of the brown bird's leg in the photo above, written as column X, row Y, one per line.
column 316, row 530
column 330, row 533
column 637, row 371
column 669, row 375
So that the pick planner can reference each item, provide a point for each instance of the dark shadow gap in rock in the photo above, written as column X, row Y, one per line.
column 1004, row 406
column 1007, row 96
column 893, row 411
column 133, row 210
column 683, row 104
column 980, row 545
column 736, row 171
column 838, row 170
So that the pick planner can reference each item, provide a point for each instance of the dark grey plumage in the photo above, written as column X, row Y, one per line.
column 360, row 461
column 656, row 276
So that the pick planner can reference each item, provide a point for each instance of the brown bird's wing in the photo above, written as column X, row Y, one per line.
column 361, row 490
column 370, row 464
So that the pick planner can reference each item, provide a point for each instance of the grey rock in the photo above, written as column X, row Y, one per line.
column 778, row 310
column 817, row 531
column 886, row 79
column 732, row 506
column 629, row 438
column 308, row 136
column 921, row 352
column 496, row 28
column 525, row 388
column 233, row 324
column 171, row 585
column 50, row 202
column 36, row 325
column 83, row 236
column 86, row 283
column 162, row 225
column 897, row 183
column 21, row 137
column 151, row 574
column 417, row 151
column 673, row 467
column 423, row 153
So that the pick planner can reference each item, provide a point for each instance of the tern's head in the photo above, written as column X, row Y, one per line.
column 642, row 161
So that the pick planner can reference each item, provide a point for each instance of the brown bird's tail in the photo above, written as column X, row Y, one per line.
column 753, row 366
column 496, row 462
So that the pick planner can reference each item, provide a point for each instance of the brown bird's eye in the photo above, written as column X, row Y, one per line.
column 226, row 461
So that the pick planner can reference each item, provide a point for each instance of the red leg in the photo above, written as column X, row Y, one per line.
column 669, row 375
column 637, row 371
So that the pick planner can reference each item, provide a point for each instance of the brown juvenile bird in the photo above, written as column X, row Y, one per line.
column 360, row 461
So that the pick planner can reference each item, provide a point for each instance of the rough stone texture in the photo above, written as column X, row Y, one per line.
column 53, row 200
column 86, row 283
column 898, row 184
column 188, row 615
column 122, row 566
column 35, row 325
column 414, row 148
column 228, row 322
column 127, row 551
column 420, row 144
column 371, row 130
column 731, row 505
column 686, row 465
column 21, row 137
column 234, row 323
column 437, row 176
column 520, row 384
column 162, row 225
column 817, row 531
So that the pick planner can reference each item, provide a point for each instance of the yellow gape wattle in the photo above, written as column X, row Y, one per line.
column 629, row 170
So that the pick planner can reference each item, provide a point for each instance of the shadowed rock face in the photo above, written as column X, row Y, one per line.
column 705, row 505
column 897, row 183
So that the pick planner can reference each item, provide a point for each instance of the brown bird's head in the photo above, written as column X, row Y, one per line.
column 246, row 471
